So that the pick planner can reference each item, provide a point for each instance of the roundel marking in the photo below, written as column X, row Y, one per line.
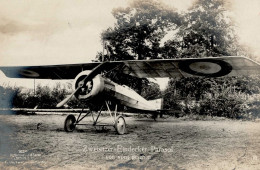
column 28, row 73
column 207, row 68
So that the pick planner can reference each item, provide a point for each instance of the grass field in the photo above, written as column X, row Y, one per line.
column 39, row 142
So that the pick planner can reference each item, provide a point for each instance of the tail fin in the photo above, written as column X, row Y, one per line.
column 157, row 103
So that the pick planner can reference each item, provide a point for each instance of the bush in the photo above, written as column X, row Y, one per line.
column 230, row 106
column 7, row 95
column 227, row 97
column 44, row 97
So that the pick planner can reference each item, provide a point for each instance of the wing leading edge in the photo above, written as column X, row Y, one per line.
column 188, row 67
column 67, row 71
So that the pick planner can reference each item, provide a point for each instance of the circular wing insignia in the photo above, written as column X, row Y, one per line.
column 207, row 68
column 28, row 73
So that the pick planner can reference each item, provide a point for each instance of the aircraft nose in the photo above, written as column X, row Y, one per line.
column 89, row 86
column 81, row 83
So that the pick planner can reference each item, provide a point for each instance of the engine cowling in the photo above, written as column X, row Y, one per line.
column 89, row 89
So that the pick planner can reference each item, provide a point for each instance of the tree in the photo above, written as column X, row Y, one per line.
column 207, row 30
column 137, row 34
column 151, row 91
column 139, row 30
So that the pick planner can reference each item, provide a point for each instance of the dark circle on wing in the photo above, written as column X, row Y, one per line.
column 225, row 68
column 29, row 73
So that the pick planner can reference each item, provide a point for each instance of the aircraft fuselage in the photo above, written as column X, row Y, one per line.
column 101, row 88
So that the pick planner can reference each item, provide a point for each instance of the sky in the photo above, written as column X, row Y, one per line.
column 42, row 32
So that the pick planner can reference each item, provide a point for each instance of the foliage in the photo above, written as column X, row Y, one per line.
column 48, row 98
column 224, row 105
column 7, row 94
column 151, row 91
column 207, row 30
column 139, row 30
column 44, row 97
column 253, row 105
column 216, row 97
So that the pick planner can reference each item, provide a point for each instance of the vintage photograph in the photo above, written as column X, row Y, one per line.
column 130, row 84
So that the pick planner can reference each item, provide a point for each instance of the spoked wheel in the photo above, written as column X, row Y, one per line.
column 69, row 124
column 120, row 125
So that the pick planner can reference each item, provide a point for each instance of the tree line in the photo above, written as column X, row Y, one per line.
column 151, row 29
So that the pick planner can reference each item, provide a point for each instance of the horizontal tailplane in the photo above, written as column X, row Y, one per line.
column 157, row 103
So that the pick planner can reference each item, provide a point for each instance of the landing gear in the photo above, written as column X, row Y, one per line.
column 118, row 122
column 120, row 125
column 69, row 124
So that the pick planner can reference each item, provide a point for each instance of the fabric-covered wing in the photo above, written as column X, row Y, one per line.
column 190, row 67
column 68, row 71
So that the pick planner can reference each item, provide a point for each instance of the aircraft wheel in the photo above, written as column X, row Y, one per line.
column 120, row 125
column 69, row 124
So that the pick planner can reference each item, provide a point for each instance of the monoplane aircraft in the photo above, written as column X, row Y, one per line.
column 92, row 86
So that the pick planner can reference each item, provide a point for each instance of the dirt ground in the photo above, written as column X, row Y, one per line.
column 165, row 144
